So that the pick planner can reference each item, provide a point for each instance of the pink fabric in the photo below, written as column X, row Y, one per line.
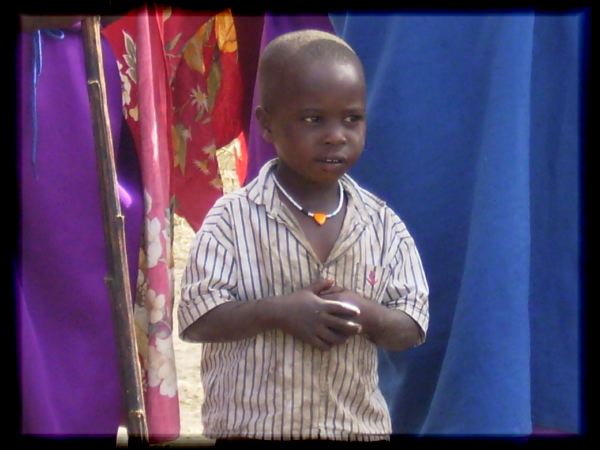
column 181, row 98
column 162, row 410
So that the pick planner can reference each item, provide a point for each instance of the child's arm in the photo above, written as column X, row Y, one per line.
column 303, row 314
column 399, row 319
column 391, row 329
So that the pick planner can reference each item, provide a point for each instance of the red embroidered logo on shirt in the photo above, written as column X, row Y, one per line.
column 372, row 279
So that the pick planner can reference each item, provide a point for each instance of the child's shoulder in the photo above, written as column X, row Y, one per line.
column 370, row 200
column 222, row 207
column 381, row 215
column 234, row 196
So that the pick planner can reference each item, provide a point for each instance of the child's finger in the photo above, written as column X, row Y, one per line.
column 320, row 285
column 343, row 326
column 341, row 308
column 336, row 336
column 331, row 291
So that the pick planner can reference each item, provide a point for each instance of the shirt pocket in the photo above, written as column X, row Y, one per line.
column 370, row 281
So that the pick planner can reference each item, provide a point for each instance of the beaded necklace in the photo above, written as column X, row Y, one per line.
column 318, row 216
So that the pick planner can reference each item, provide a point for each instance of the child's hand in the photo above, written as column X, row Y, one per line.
column 339, row 294
column 392, row 329
column 320, row 322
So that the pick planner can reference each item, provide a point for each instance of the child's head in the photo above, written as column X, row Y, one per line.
column 313, row 103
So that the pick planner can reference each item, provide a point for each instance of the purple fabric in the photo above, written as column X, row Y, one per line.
column 70, row 382
column 260, row 151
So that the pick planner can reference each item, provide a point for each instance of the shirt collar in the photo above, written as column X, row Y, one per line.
column 263, row 191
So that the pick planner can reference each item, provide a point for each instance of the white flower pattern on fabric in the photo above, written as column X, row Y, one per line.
column 147, row 202
column 126, row 93
column 156, row 306
column 126, row 89
column 167, row 231
column 154, row 246
column 162, row 367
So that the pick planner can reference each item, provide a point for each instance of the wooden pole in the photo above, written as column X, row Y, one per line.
column 114, row 232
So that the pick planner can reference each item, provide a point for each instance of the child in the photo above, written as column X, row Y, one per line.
column 294, row 280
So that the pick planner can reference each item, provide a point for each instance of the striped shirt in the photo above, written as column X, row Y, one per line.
column 273, row 385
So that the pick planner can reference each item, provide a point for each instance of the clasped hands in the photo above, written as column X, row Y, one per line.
column 323, row 314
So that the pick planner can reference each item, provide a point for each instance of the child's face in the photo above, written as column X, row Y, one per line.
column 318, row 122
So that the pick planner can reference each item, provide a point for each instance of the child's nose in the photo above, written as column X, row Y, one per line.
column 335, row 135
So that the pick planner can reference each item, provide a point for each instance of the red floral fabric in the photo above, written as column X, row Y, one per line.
column 181, row 91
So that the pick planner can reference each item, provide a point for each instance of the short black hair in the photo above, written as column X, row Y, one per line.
column 283, row 52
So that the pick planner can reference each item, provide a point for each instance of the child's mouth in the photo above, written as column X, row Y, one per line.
column 331, row 160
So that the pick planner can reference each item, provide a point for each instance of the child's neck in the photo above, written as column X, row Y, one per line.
column 311, row 196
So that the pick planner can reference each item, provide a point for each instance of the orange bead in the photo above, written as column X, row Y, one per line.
column 320, row 217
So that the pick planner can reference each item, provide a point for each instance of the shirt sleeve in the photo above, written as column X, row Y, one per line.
column 407, row 289
column 209, row 279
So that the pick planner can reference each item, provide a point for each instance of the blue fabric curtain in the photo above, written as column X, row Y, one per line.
column 474, row 139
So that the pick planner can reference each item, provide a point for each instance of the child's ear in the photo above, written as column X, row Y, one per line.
column 264, row 119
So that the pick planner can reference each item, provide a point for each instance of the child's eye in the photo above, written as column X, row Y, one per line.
column 353, row 118
column 311, row 119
